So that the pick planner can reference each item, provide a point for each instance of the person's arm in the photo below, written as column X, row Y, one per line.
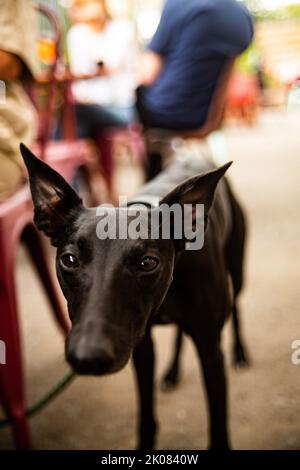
column 151, row 62
column 149, row 67
column 44, row 78
column 17, row 40
column 11, row 67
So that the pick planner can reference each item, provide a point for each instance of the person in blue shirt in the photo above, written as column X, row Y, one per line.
column 187, row 52
column 179, row 71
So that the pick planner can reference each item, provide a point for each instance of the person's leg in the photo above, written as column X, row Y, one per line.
column 93, row 119
column 154, row 160
column 11, row 176
column 120, row 116
column 155, row 165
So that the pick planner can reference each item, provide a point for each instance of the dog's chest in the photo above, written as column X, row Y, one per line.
column 185, row 290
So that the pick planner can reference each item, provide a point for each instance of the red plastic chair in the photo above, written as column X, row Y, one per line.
column 16, row 215
column 131, row 136
column 16, row 225
column 47, row 111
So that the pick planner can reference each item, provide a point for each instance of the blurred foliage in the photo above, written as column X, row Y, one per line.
column 249, row 60
column 251, row 63
column 288, row 12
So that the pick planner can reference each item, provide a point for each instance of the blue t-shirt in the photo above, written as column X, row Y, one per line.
column 194, row 37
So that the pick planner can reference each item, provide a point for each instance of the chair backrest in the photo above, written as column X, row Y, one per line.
column 46, row 116
column 217, row 106
column 48, row 50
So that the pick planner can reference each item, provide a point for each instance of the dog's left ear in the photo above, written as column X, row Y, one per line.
column 55, row 202
column 197, row 190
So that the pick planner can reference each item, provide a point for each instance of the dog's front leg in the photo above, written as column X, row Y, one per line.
column 143, row 358
column 215, row 382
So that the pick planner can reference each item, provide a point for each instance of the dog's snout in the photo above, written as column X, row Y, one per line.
column 89, row 360
column 94, row 365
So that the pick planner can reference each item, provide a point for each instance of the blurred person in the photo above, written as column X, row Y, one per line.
column 103, row 48
column 179, row 71
column 17, row 66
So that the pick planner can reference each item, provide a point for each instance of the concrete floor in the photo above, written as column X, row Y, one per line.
column 100, row 413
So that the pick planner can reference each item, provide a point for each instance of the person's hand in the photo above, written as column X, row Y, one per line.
column 10, row 66
column 64, row 74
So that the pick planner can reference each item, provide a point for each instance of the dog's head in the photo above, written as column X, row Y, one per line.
column 112, row 286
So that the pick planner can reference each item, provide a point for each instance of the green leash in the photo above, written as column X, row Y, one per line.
column 53, row 392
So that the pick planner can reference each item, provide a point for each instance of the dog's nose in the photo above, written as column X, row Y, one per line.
column 88, row 361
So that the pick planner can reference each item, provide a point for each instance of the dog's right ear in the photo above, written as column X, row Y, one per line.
column 56, row 204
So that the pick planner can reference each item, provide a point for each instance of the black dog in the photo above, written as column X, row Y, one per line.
column 118, row 289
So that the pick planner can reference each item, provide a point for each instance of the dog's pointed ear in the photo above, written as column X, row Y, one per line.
column 56, row 204
column 197, row 190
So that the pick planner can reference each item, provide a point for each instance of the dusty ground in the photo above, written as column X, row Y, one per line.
column 264, row 400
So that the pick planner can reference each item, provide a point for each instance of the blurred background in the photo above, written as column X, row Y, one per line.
column 261, row 135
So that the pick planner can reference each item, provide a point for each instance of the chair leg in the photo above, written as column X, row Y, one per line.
column 105, row 145
column 154, row 165
column 37, row 252
column 11, row 373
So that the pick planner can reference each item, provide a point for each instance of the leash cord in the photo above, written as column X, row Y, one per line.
column 47, row 398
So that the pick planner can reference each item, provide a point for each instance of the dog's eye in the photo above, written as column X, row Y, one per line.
column 69, row 261
column 148, row 264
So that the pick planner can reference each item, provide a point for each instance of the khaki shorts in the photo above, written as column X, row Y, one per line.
column 11, row 176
